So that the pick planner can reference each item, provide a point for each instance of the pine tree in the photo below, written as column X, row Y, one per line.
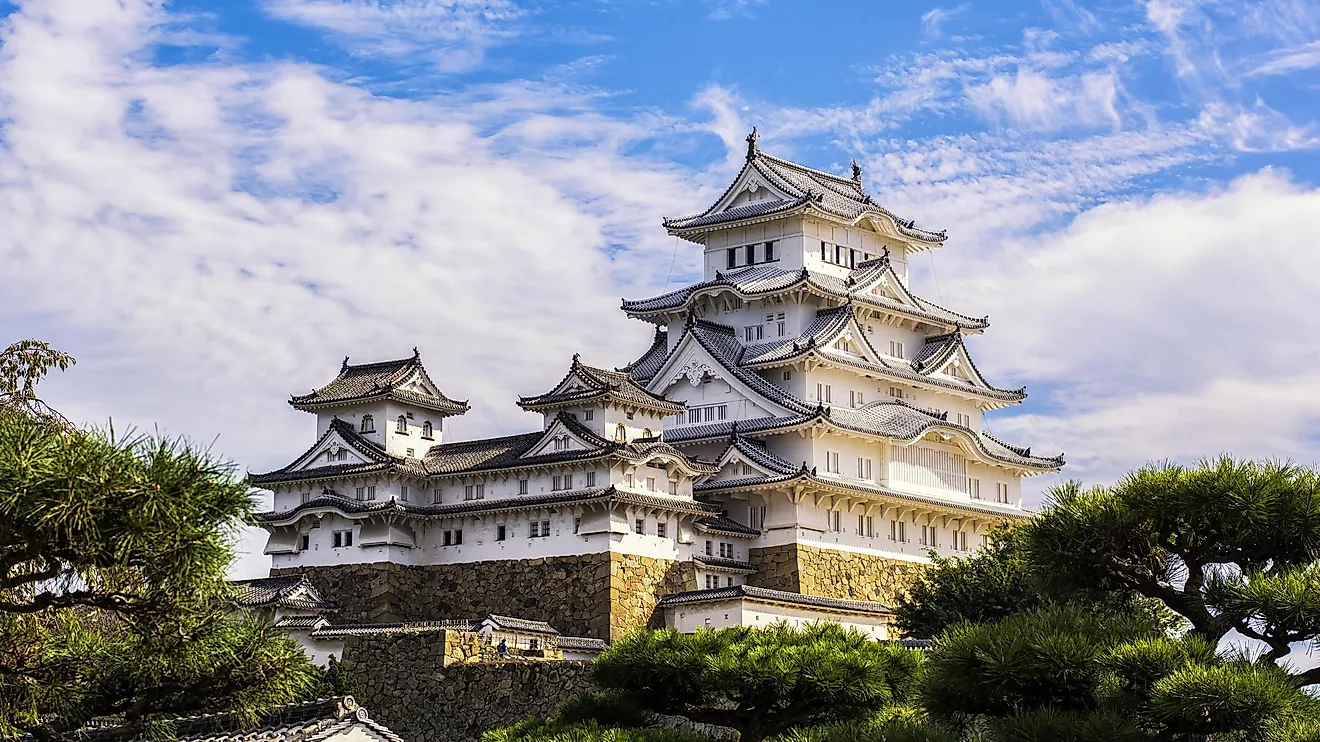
column 113, row 599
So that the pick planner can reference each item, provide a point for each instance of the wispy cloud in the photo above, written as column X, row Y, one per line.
column 933, row 19
column 453, row 34
column 1286, row 60
column 723, row 10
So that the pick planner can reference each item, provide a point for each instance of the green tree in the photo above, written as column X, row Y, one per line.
column 1076, row 673
column 113, row 599
column 760, row 682
column 991, row 584
column 1227, row 545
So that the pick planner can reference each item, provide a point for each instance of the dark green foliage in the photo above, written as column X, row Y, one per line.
column 989, row 585
column 1227, row 545
column 113, row 600
column 761, row 682
column 333, row 681
column 541, row 730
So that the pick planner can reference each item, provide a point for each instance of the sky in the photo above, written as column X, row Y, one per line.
column 211, row 204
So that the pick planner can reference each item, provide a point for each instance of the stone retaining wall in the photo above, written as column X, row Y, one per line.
column 403, row 683
column 830, row 573
column 601, row 595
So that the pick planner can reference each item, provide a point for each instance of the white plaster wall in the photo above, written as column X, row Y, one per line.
column 713, row 392
column 692, row 618
column 689, row 619
column 787, row 234
column 319, row 650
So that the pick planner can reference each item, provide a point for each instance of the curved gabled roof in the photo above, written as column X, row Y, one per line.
column 843, row 198
column 583, row 384
column 382, row 380
column 646, row 367
column 760, row 281
column 895, row 420
column 377, row 460
column 349, row 507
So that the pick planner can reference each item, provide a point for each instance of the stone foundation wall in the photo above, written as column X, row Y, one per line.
column 833, row 574
column 637, row 583
column 602, row 595
column 403, row 684
column 570, row 593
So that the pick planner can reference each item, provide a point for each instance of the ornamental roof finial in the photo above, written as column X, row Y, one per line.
column 344, row 366
column 857, row 171
column 416, row 353
column 752, row 151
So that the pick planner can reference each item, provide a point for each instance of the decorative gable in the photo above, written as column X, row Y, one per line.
column 561, row 438
column 336, row 448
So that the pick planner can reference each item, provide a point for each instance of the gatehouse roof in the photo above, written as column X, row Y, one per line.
column 404, row 380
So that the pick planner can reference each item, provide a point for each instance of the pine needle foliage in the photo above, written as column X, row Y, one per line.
column 1228, row 545
column 114, row 607
column 760, row 682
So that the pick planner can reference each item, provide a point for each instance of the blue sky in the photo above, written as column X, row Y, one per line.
column 210, row 204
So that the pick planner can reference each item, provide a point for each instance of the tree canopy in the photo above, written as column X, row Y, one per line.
column 113, row 598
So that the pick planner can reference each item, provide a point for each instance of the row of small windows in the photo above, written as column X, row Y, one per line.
column 930, row 535
column 753, row 333
column 748, row 254
column 840, row 255
column 713, row 581
column 368, row 425
column 974, row 489
column 725, row 548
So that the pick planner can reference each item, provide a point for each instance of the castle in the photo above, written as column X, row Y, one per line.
column 801, row 431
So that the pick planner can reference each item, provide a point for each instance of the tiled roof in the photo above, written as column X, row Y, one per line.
column 599, row 383
column 756, row 452
column 294, row 592
column 646, row 367
column 583, row 642
column 775, row 596
column 521, row 624
column 377, row 460
column 370, row 381
column 726, row 525
column 829, row 193
column 754, row 281
column 339, row 631
column 351, row 507
column 853, row 485
column 724, row 565
column 308, row 721
column 511, row 451
column 722, row 344
column 294, row 623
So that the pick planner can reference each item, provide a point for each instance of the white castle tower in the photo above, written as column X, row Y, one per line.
column 803, row 430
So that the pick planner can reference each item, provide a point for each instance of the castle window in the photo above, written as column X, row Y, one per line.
column 435, row 496
column 368, row 425
column 673, row 487
column 974, row 488
column 557, row 483
column 770, row 251
column 458, row 537
column 448, row 538
column 650, row 484
column 639, row 525
column 341, row 539
column 577, row 525
column 474, row 492
column 620, row 433
column 403, row 494
column 401, row 425
column 591, row 479
column 426, row 430
column 304, row 542
column 896, row 349
column 1001, row 492
column 754, row 332
column 534, row 529
column 728, row 582
column 708, row 549
column 712, row 582
column 589, row 415
column 306, row 497
column 732, row 259
column 646, row 433
column 629, row 415
column 661, row 529
column 863, row 468
column 522, row 486
column 835, row 519
column 499, row 533
column 824, row 252
column 788, row 376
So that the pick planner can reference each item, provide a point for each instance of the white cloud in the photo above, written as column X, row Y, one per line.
column 1178, row 326
column 723, row 10
column 1286, row 60
column 1031, row 98
column 932, row 19
column 1256, row 128
column 452, row 33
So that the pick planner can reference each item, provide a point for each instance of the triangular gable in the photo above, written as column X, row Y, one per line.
column 750, row 186
column 690, row 362
column 338, row 448
column 734, row 464
column 562, row 437
column 851, row 339
column 885, row 284
column 958, row 365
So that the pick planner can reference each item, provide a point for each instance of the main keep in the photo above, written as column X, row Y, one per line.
column 802, row 430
